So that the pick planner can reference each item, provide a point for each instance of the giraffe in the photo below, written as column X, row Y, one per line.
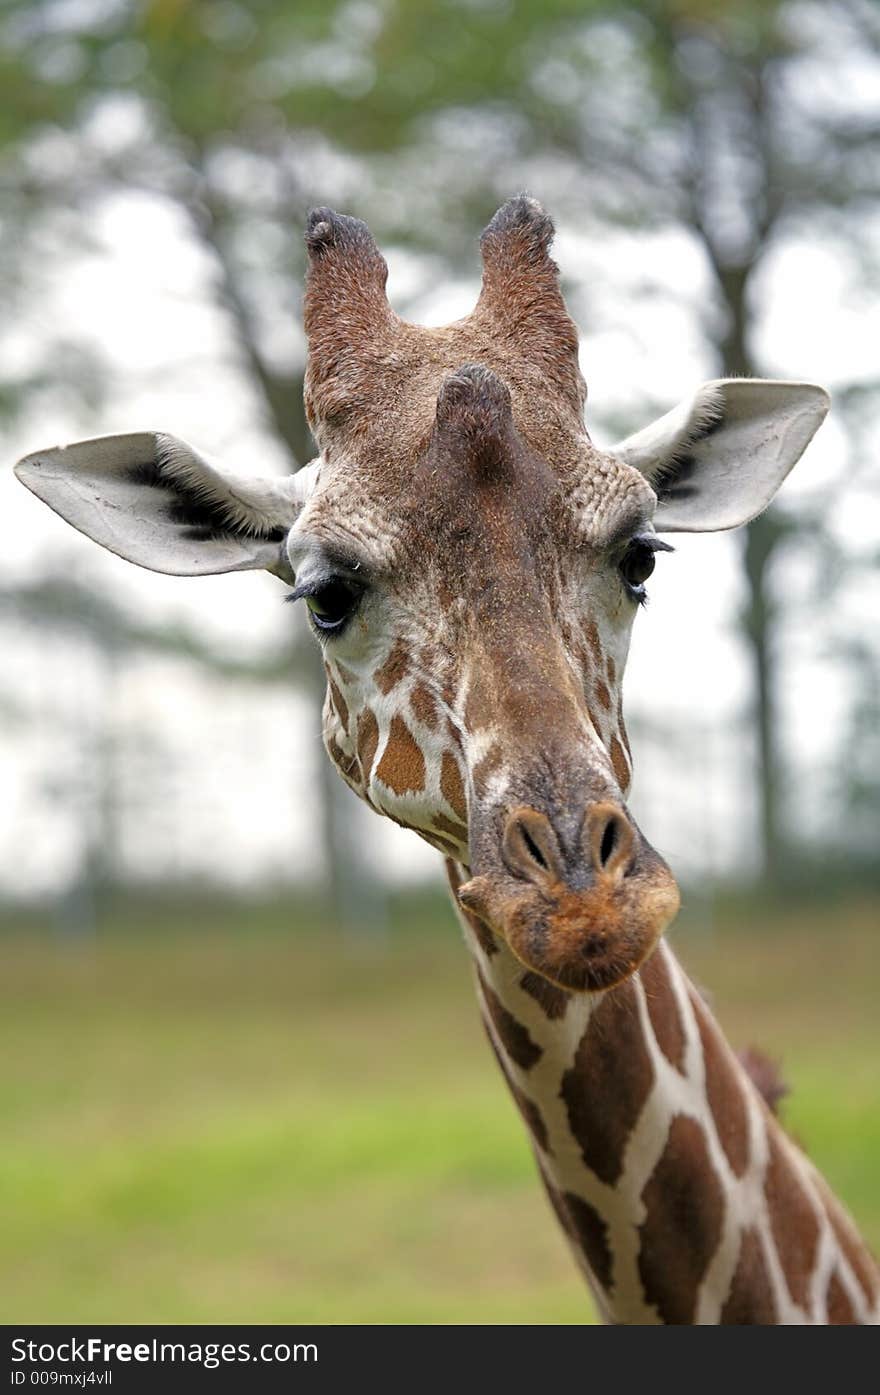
column 472, row 564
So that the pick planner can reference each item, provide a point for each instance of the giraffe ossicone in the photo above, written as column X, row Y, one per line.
column 472, row 564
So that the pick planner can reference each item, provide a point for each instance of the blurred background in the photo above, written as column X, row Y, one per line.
column 242, row 1072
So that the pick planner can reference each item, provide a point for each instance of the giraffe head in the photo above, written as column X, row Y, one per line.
column 472, row 564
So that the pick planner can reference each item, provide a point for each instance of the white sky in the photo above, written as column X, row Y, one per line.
column 238, row 797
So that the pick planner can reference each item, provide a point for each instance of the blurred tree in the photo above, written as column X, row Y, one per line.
column 59, row 605
column 860, row 769
column 726, row 119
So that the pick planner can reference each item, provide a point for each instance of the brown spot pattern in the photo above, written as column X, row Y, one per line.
column 724, row 1091
column 591, row 1233
column 347, row 764
column 445, row 825
column 584, row 1226
column 444, row 845
column 482, row 933
column 558, row 1205
column 486, row 940
column 367, row 741
column 514, row 1037
column 603, row 695
column 339, row 703
column 750, row 1301
column 663, row 1008
column 624, row 736
column 839, row 1309
column 402, row 767
column 861, row 1262
column 421, row 700
column 578, row 651
column 533, row 1117
column 394, row 668
column 792, row 1220
column 451, row 786
column 547, row 995
column 607, row 1086
column 619, row 763
column 530, row 1112
column 611, row 670
column 682, row 1228
column 594, row 643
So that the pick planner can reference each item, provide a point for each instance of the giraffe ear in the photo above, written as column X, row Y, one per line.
column 153, row 500
column 718, row 458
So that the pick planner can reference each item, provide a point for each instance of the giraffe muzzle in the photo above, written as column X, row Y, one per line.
column 583, row 912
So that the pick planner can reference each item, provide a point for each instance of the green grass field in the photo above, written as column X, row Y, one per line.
column 203, row 1122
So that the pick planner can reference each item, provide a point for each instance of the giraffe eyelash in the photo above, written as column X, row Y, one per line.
column 652, row 541
column 331, row 600
column 636, row 564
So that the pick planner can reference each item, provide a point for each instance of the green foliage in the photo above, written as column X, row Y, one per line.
column 280, row 1125
column 248, row 1128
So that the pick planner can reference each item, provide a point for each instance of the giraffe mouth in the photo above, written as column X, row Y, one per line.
column 585, row 942
column 584, row 924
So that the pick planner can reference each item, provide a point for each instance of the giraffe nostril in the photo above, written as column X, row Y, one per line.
column 530, row 847
column 533, row 849
column 610, row 840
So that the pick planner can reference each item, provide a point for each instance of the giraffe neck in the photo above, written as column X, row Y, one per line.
column 683, row 1199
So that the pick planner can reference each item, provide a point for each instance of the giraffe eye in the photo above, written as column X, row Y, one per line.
column 637, row 565
column 332, row 606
